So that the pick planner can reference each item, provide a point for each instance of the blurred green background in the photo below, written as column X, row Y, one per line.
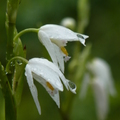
column 104, row 32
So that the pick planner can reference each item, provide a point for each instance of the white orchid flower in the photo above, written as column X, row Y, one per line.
column 49, row 75
column 54, row 38
column 99, row 76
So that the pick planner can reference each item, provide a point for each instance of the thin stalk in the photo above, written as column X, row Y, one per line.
column 25, row 31
column 11, row 14
column 15, row 58
column 10, row 108
column 10, row 105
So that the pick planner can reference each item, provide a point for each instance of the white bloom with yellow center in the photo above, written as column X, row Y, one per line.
column 54, row 38
column 49, row 75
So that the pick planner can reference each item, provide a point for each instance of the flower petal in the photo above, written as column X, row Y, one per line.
column 60, row 33
column 72, row 86
column 54, row 93
column 56, row 98
column 32, row 87
column 48, row 45
column 101, row 70
column 101, row 99
column 42, row 66
column 59, row 56
column 84, row 86
column 53, row 73
column 82, row 38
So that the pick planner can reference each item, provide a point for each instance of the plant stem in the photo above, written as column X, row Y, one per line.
column 10, row 109
column 25, row 31
column 15, row 58
column 11, row 14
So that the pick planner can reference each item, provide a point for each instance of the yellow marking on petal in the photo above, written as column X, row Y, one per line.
column 49, row 86
column 64, row 51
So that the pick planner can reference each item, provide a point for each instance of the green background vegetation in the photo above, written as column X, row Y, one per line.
column 104, row 32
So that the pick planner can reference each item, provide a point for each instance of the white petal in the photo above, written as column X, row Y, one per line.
column 82, row 38
column 48, row 64
column 32, row 87
column 66, row 58
column 55, row 97
column 50, row 77
column 45, row 71
column 59, row 56
column 51, row 69
column 71, row 86
column 84, row 85
column 101, row 99
column 60, row 33
column 101, row 70
column 43, row 37
column 54, row 93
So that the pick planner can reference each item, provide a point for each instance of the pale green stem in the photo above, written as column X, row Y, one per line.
column 15, row 58
column 25, row 31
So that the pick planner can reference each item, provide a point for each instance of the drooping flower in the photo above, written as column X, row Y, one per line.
column 54, row 38
column 99, row 77
column 49, row 75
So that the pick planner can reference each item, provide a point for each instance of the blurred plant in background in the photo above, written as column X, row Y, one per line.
column 98, row 76
column 100, row 20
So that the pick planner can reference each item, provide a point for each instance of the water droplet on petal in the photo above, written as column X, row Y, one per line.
column 80, row 36
column 72, row 86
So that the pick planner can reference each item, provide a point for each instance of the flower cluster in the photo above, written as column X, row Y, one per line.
column 50, row 74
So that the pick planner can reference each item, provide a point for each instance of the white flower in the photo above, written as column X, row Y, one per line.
column 99, row 76
column 68, row 22
column 54, row 38
column 49, row 75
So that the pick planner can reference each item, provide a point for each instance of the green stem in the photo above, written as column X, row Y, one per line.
column 15, row 58
column 10, row 107
column 10, row 35
column 11, row 14
column 25, row 31
column 83, row 15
